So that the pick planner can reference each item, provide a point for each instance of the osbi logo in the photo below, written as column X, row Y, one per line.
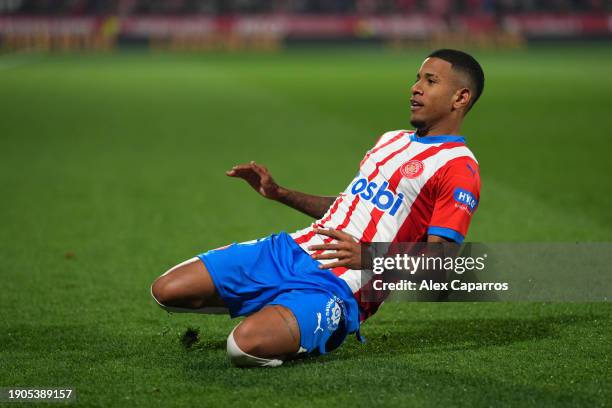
column 382, row 198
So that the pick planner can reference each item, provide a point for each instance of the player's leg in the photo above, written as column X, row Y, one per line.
column 264, row 339
column 187, row 287
column 295, row 322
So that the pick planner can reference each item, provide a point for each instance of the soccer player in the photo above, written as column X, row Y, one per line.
column 300, row 292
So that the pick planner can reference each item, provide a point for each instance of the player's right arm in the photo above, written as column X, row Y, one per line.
column 260, row 179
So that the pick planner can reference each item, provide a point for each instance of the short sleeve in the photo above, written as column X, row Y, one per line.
column 456, row 197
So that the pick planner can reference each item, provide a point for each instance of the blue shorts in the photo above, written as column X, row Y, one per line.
column 277, row 271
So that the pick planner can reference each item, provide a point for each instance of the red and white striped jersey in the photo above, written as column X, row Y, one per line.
column 407, row 187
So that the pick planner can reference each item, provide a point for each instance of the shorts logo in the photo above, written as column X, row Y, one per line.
column 412, row 169
column 333, row 312
column 318, row 323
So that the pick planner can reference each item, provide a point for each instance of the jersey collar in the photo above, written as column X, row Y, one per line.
column 437, row 139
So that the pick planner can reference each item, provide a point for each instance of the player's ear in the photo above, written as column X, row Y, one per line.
column 462, row 98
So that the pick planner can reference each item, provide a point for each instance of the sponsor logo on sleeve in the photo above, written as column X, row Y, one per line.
column 465, row 200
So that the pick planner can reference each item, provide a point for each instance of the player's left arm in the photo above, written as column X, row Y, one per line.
column 456, row 194
column 433, row 239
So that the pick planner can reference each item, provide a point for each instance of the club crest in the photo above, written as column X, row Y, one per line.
column 412, row 169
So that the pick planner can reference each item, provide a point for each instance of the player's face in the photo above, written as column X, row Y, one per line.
column 432, row 93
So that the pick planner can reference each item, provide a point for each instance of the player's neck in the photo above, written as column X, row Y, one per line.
column 439, row 129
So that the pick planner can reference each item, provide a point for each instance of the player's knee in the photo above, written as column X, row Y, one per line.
column 248, row 339
column 170, row 292
column 163, row 292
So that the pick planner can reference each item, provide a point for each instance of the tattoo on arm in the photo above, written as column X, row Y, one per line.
column 315, row 206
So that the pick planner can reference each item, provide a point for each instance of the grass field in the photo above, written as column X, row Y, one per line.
column 112, row 170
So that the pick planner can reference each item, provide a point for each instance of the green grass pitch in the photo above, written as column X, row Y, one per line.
column 112, row 170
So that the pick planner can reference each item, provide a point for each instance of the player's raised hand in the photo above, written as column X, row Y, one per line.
column 258, row 177
column 346, row 249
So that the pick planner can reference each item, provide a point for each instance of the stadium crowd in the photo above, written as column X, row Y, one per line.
column 360, row 7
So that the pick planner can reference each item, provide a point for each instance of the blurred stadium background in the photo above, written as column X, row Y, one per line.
column 261, row 24
column 119, row 119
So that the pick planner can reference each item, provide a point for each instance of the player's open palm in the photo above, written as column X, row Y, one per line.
column 258, row 177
